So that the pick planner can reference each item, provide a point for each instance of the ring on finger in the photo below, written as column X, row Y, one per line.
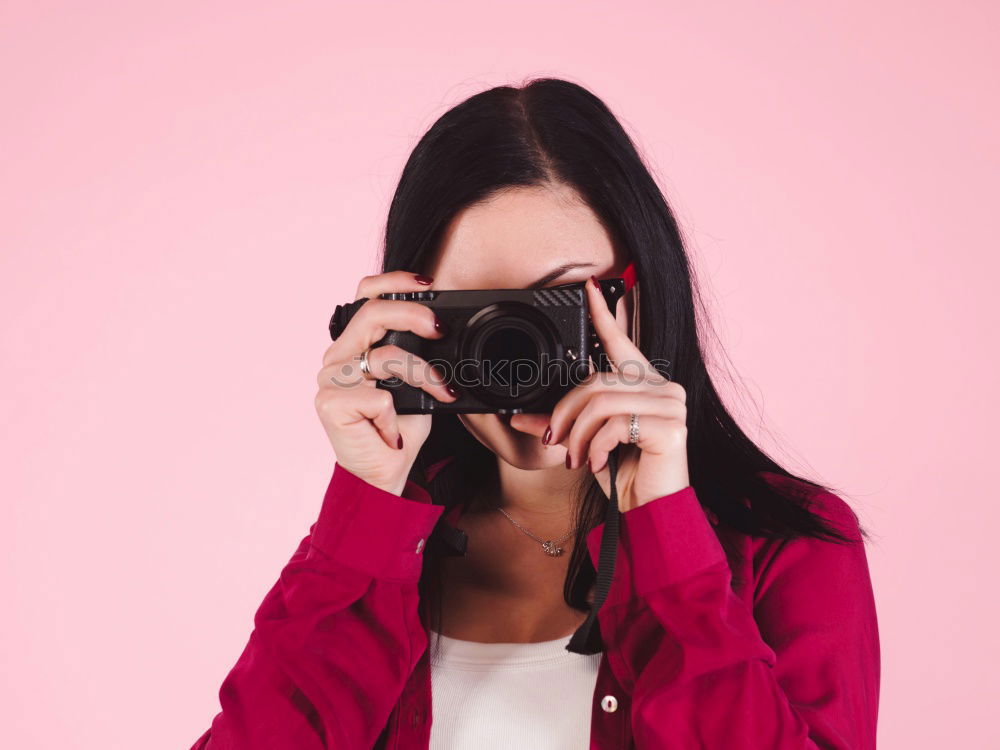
column 366, row 370
column 633, row 429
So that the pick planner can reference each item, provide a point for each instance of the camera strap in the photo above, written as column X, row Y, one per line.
column 587, row 638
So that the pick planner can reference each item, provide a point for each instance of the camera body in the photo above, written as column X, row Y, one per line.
column 506, row 350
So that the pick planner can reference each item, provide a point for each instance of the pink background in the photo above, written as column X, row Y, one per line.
column 189, row 188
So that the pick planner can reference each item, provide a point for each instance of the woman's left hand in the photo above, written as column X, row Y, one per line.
column 593, row 418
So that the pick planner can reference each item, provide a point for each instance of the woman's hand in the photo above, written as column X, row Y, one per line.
column 367, row 435
column 593, row 418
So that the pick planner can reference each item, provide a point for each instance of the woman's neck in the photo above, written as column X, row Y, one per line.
column 542, row 496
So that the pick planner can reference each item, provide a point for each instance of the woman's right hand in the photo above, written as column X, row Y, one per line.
column 368, row 437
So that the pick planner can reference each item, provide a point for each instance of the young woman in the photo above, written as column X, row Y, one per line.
column 462, row 551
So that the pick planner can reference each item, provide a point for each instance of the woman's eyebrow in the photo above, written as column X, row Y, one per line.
column 555, row 273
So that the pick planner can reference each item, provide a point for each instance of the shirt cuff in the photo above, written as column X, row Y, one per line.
column 660, row 543
column 368, row 529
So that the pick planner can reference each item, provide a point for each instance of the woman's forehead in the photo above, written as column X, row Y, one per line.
column 519, row 236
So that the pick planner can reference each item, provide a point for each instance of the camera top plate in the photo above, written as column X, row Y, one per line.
column 561, row 294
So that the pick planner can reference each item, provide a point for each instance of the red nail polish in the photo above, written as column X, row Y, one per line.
column 569, row 460
column 439, row 325
column 399, row 443
column 421, row 279
column 593, row 280
column 547, row 436
column 451, row 391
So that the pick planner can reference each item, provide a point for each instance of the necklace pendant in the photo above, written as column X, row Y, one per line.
column 552, row 549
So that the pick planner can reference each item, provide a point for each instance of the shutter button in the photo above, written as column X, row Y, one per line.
column 609, row 703
column 420, row 545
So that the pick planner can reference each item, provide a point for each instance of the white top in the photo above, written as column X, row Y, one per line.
column 510, row 696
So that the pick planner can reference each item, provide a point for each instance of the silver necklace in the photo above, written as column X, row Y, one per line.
column 552, row 548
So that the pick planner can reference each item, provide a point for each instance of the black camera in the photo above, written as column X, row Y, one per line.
column 506, row 350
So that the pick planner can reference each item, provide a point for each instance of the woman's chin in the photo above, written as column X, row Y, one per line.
column 536, row 460
column 527, row 452
column 521, row 450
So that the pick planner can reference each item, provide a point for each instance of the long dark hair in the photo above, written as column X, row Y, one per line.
column 552, row 130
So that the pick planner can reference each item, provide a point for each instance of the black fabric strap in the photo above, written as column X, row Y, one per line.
column 448, row 540
column 587, row 638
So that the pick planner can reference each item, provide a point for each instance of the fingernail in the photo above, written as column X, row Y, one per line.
column 593, row 280
column 569, row 460
column 399, row 442
column 439, row 325
column 547, row 436
column 421, row 279
column 452, row 391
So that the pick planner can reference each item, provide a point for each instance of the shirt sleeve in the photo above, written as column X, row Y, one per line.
column 338, row 635
column 797, row 669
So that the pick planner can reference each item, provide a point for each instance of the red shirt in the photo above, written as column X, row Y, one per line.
column 787, row 657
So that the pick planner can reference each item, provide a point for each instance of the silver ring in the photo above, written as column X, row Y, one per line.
column 365, row 369
column 633, row 429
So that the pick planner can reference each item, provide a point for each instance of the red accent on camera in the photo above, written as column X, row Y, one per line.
column 629, row 275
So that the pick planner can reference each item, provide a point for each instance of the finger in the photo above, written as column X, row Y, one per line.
column 345, row 373
column 617, row 345
column 352, row 409
column 531, row 424
column 382, row 413
column 375, row 318
column 605, row 440
column 539, row 424
column 604, row 406
column 569, row 406
column 656, row 435
column 386, row 362
column 392, row 281
column 391, row 361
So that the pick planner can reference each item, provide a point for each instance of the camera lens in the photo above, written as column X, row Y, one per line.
column 507, row 346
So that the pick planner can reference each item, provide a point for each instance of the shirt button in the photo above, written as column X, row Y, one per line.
column 420, row 545
column 609, row 703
